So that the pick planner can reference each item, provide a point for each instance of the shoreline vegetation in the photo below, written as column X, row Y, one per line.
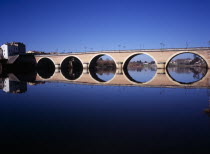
column 186, row 66
column 111, row 64
column 196, row 62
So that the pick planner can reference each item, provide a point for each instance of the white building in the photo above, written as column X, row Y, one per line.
column 11, row 49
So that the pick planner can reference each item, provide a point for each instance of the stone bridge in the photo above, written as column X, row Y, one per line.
column 121, row 59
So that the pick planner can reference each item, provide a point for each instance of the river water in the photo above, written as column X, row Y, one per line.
column 59, row 117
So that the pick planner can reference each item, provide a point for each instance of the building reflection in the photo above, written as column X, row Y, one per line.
column 10, row 86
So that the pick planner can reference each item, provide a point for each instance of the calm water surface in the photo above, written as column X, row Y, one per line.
column 187, row 74
column 142, row 75
column 75, row 118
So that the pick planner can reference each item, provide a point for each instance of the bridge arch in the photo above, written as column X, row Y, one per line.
column 93, row 61
column 74, row 71
column 126, row 62
column 182, row 83
column 71, row 56
column 129, row 57
column 45, row 67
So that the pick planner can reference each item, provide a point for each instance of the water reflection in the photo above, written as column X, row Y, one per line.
column 9, row 85
column 183, row 75
column 141, row 74
column 102, row 68
column 186, row 75
column 68, row 117
column 103, row 74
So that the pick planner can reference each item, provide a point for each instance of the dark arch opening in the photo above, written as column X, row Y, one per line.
column 71, row 68
column 140, row 68
column 102, row 68
column 187, row 68
column 45, row 68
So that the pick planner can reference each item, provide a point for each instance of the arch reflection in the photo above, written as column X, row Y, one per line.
column 102, row 68
column 140, row 68
column 187, row 68
column 71, row 68
column 45, row 68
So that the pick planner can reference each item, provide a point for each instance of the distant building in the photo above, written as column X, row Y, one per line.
column 11, row 49
column 35, row 52
column 181, row 61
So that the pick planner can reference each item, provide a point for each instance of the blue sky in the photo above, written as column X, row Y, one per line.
column 83, row 25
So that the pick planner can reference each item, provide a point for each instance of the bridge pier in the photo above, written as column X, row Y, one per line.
column 85, row 68
column 161, row 65
column 119, row 68
column 57, row 70
column 85, row 65
column 57, row 66
column 161, row 71
column 85, row 71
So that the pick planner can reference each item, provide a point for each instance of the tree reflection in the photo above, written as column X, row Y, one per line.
column 102, row 68
column 187, row 74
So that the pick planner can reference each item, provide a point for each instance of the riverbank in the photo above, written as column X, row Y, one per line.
column 182, row 65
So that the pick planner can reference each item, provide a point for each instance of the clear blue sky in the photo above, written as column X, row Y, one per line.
column 79, row 25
